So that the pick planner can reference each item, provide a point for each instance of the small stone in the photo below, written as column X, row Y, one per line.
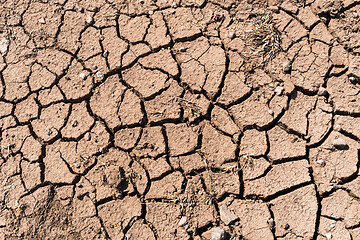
column 337, row 128
column 182, row 221
column 82, row 75
column 271, row 223
column 105, row 53
column 356, row 15
column 287, row 67
column 271, row 112
column 42, row 20
column 332, row 226
column 174, row 5
column 94, row 67
column 87, row 136
column 354, row 66
column 182, row 49
column 151, row 12
column 102, row 149
column 340, row 143
column 232, row 35
column 217, row 234
column 48, row 131
column 227, row 216
column 74, row 123
column 89, row 19
column 334, row 186
column 322, row 91
column 172, row 11
column 77, row 165
column 279, row 90
column 99, row 74
column 321, row 162
column 4, row 46
column 328, row 235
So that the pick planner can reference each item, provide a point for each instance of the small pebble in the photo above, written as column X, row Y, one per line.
column 354, row 66
column 332, row 226
column 279, row 90
column 217, row 234
column 89, row 19
column 287, row 67
column 340, row 143
column 182, row 221
column 271, row 112
column 102, row 149
column 99, row 74
column 94, row 67
column 232, row 35
column 87, row 136
column 172, row 11
column 352, row 79
column 77, row 165
column 4, row 46
column 356, row 15
column 227, row 216
column 271, row 223
column 174, row 5
column 328, row 235
column 42, row 20
column 334, row 186
column 322, row 91
column 74, row 123
column 49, row 132
column 82, row 76
column 337, row 128
column 151, row 12
column 182, row 49
column 105, row 53
column 321, row 162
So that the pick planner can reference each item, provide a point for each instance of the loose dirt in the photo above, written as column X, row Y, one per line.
column 167, row 119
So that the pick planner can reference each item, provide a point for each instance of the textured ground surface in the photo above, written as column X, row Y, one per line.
column 147, row 120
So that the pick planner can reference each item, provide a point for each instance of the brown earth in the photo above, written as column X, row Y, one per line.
column 145, row 119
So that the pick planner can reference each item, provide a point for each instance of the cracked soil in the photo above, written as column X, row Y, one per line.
column 152, row 119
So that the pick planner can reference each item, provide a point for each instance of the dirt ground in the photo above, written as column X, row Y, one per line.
column 145, row 119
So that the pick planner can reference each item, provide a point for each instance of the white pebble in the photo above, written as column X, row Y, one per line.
column 4, row 46
column 356, row 15
column 182, row 221
column 321, row 162
column 42, row 20
column 322, row 91
column 87, row 136
column 337, row 128
column 271, row 112
column 89, row 19
column 232, row 35
column 328, row 235
column 217, row 234
column 99, row 74
column 82, row 76
column 77, row 165
column 340, row 143
column 279, row 90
